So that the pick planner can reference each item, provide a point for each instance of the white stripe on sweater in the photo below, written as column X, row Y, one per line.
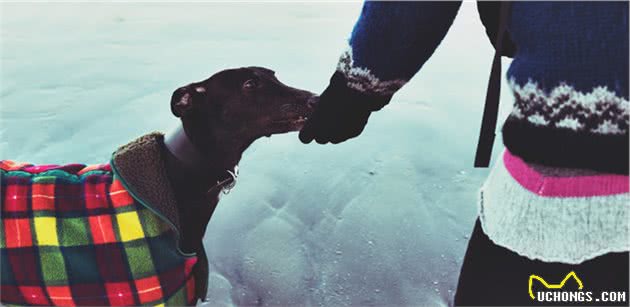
column 363, row 80
column 552, row 229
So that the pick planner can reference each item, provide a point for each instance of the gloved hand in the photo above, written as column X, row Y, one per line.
column 340, row 114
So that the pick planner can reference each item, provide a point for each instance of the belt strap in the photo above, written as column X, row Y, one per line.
column 491, row 108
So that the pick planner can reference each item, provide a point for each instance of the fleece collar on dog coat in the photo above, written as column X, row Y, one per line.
column 94, row 235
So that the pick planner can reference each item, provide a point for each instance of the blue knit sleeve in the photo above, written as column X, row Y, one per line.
column 391, row 41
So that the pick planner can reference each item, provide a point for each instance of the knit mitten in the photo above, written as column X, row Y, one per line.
column 341, row 113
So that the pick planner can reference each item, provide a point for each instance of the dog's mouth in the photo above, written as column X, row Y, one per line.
column 292, row 117
column 300, row 120
column 289, row 124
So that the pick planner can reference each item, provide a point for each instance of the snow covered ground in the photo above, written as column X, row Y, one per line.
column 379, row 220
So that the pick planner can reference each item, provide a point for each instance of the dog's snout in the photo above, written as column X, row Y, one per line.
column 306, row 97
column 312, row 101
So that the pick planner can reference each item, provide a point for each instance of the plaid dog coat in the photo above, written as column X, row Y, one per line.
column 77, row 235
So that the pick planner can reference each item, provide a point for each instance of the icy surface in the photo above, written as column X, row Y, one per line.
column 379, row 220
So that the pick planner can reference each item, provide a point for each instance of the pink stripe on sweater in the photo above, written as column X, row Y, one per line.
column 578, row 186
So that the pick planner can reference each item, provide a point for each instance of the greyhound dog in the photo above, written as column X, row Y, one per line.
column 221, row 117
column 130, row 232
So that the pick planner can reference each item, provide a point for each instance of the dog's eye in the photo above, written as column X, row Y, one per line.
column 250, row 84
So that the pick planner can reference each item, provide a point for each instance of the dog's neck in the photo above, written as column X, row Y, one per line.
column 188, row 154
column 182, row 148
column 199, row 157
column 194, row 167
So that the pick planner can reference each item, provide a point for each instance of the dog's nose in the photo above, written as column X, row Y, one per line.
column 312, row 102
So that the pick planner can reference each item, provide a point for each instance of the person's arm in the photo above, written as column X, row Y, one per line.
column 389, row 44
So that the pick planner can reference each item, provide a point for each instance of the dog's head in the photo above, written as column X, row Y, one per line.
column 248, row 102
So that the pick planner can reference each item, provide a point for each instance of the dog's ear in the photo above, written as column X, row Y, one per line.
column 185, row 99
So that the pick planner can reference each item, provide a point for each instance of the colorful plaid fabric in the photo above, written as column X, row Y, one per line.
column 72, row 235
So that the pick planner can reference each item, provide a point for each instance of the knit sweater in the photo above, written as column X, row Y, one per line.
column 555, row 214
column 569, row 75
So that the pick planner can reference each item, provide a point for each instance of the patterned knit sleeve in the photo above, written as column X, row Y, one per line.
column 390, row 43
